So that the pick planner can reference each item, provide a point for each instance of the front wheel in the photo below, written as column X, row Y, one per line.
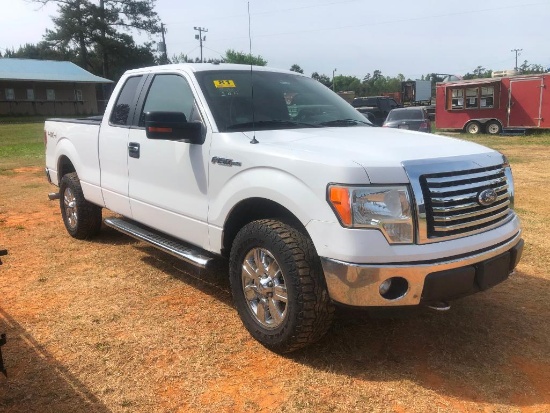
column 82, row 219
column 278, row 286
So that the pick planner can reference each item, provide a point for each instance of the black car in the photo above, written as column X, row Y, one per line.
column 412, row 118
column 375, row 108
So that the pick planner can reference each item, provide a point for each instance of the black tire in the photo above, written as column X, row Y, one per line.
column 82, row 219
column 493, row 127
column 473, row 128
column 299, row 311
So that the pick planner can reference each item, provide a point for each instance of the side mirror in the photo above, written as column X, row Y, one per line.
column 172, row 126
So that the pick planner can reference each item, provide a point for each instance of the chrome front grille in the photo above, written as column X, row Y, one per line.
column 451, row 201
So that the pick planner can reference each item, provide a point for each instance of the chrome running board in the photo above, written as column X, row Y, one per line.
column 178, row 249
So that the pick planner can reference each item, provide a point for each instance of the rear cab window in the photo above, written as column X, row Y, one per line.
column 125, row 103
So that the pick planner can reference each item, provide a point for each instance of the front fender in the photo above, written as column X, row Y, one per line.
column 281, row 187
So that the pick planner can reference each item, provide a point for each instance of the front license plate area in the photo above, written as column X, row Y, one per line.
column 492, row 272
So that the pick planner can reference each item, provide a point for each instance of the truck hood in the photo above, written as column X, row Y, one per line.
column 380, row 151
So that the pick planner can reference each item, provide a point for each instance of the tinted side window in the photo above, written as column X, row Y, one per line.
column 371, row 102
column 169, row 93
column 121, row 110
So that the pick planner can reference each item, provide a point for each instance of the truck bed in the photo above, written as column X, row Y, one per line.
column 92, row 120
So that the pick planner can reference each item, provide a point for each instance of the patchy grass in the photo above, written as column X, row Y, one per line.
column 113, row 325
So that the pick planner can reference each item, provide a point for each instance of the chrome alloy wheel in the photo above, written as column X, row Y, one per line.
column 264, row 288
column 69, row 201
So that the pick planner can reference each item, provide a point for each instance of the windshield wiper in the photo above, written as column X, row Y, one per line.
column 263, row 124
column 345, row 122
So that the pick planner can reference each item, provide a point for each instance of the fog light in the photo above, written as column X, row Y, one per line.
column 394, row 288
column 385, row 287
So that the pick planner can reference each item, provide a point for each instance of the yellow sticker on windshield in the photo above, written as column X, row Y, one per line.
column 224, row 83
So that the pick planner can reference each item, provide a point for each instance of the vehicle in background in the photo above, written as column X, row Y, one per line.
column 412, row 118
column 375, row 108
column 512, row 103
column 416, row 92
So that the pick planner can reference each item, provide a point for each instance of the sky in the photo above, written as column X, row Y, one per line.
column 350, row 37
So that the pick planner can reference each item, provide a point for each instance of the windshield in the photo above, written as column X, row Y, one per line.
column 277, row 101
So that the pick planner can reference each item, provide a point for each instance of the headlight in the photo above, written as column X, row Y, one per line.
column 386, row 208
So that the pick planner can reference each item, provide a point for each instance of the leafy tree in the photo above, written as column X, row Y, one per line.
column 41, row 51
column 324, row 79
column 124, row 54
column 296, row 68
column 377, row 83
column 527, row 68
column 478, row 73
column 101, row 29
column 346, row 83
column 232, row 56
column 72, row 28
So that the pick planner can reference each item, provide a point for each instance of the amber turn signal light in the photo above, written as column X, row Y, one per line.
column 339, row 198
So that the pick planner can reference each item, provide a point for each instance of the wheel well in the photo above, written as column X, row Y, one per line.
column 64, row 166
column 251, row 210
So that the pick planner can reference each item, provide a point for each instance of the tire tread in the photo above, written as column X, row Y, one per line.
column 316, row 311
column 89, row 215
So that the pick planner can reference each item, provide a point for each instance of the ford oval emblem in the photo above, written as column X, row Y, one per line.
column 487, row 197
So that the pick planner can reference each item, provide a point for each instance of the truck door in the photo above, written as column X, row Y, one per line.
column 524, row 103
column 113, row 144
column 168, row 179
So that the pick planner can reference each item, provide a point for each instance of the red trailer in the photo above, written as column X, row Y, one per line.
column 495, row 104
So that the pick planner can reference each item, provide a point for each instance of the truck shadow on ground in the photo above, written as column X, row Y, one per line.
column 213, row 281
column 36, row 380
column 489, row 348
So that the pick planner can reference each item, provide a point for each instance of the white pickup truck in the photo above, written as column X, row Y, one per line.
column 312, row 205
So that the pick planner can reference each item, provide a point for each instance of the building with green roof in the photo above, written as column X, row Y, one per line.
column 48, row 88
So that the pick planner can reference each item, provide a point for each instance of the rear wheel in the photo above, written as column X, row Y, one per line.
column 278, row 286
column 473, row 128
column 82, row 219
column 493, row 127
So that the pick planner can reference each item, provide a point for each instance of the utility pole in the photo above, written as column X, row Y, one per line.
column 163, row 48
column 517, row 51
column 200, row 37
column 333, row 87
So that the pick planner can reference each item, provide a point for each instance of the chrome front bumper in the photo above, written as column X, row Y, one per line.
column 359, row 284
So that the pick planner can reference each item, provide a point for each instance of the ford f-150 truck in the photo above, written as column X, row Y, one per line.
column 312, row 205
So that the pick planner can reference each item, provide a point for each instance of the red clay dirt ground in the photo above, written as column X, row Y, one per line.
column 112, row 325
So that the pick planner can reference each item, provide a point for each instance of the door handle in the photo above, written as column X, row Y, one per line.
column 133, row 150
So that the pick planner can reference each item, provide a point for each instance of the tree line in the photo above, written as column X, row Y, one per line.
column 96, row 35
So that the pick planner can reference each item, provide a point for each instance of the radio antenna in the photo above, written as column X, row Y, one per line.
column 254, row 140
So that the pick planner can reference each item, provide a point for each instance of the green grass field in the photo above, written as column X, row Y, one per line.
column 21, row 145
